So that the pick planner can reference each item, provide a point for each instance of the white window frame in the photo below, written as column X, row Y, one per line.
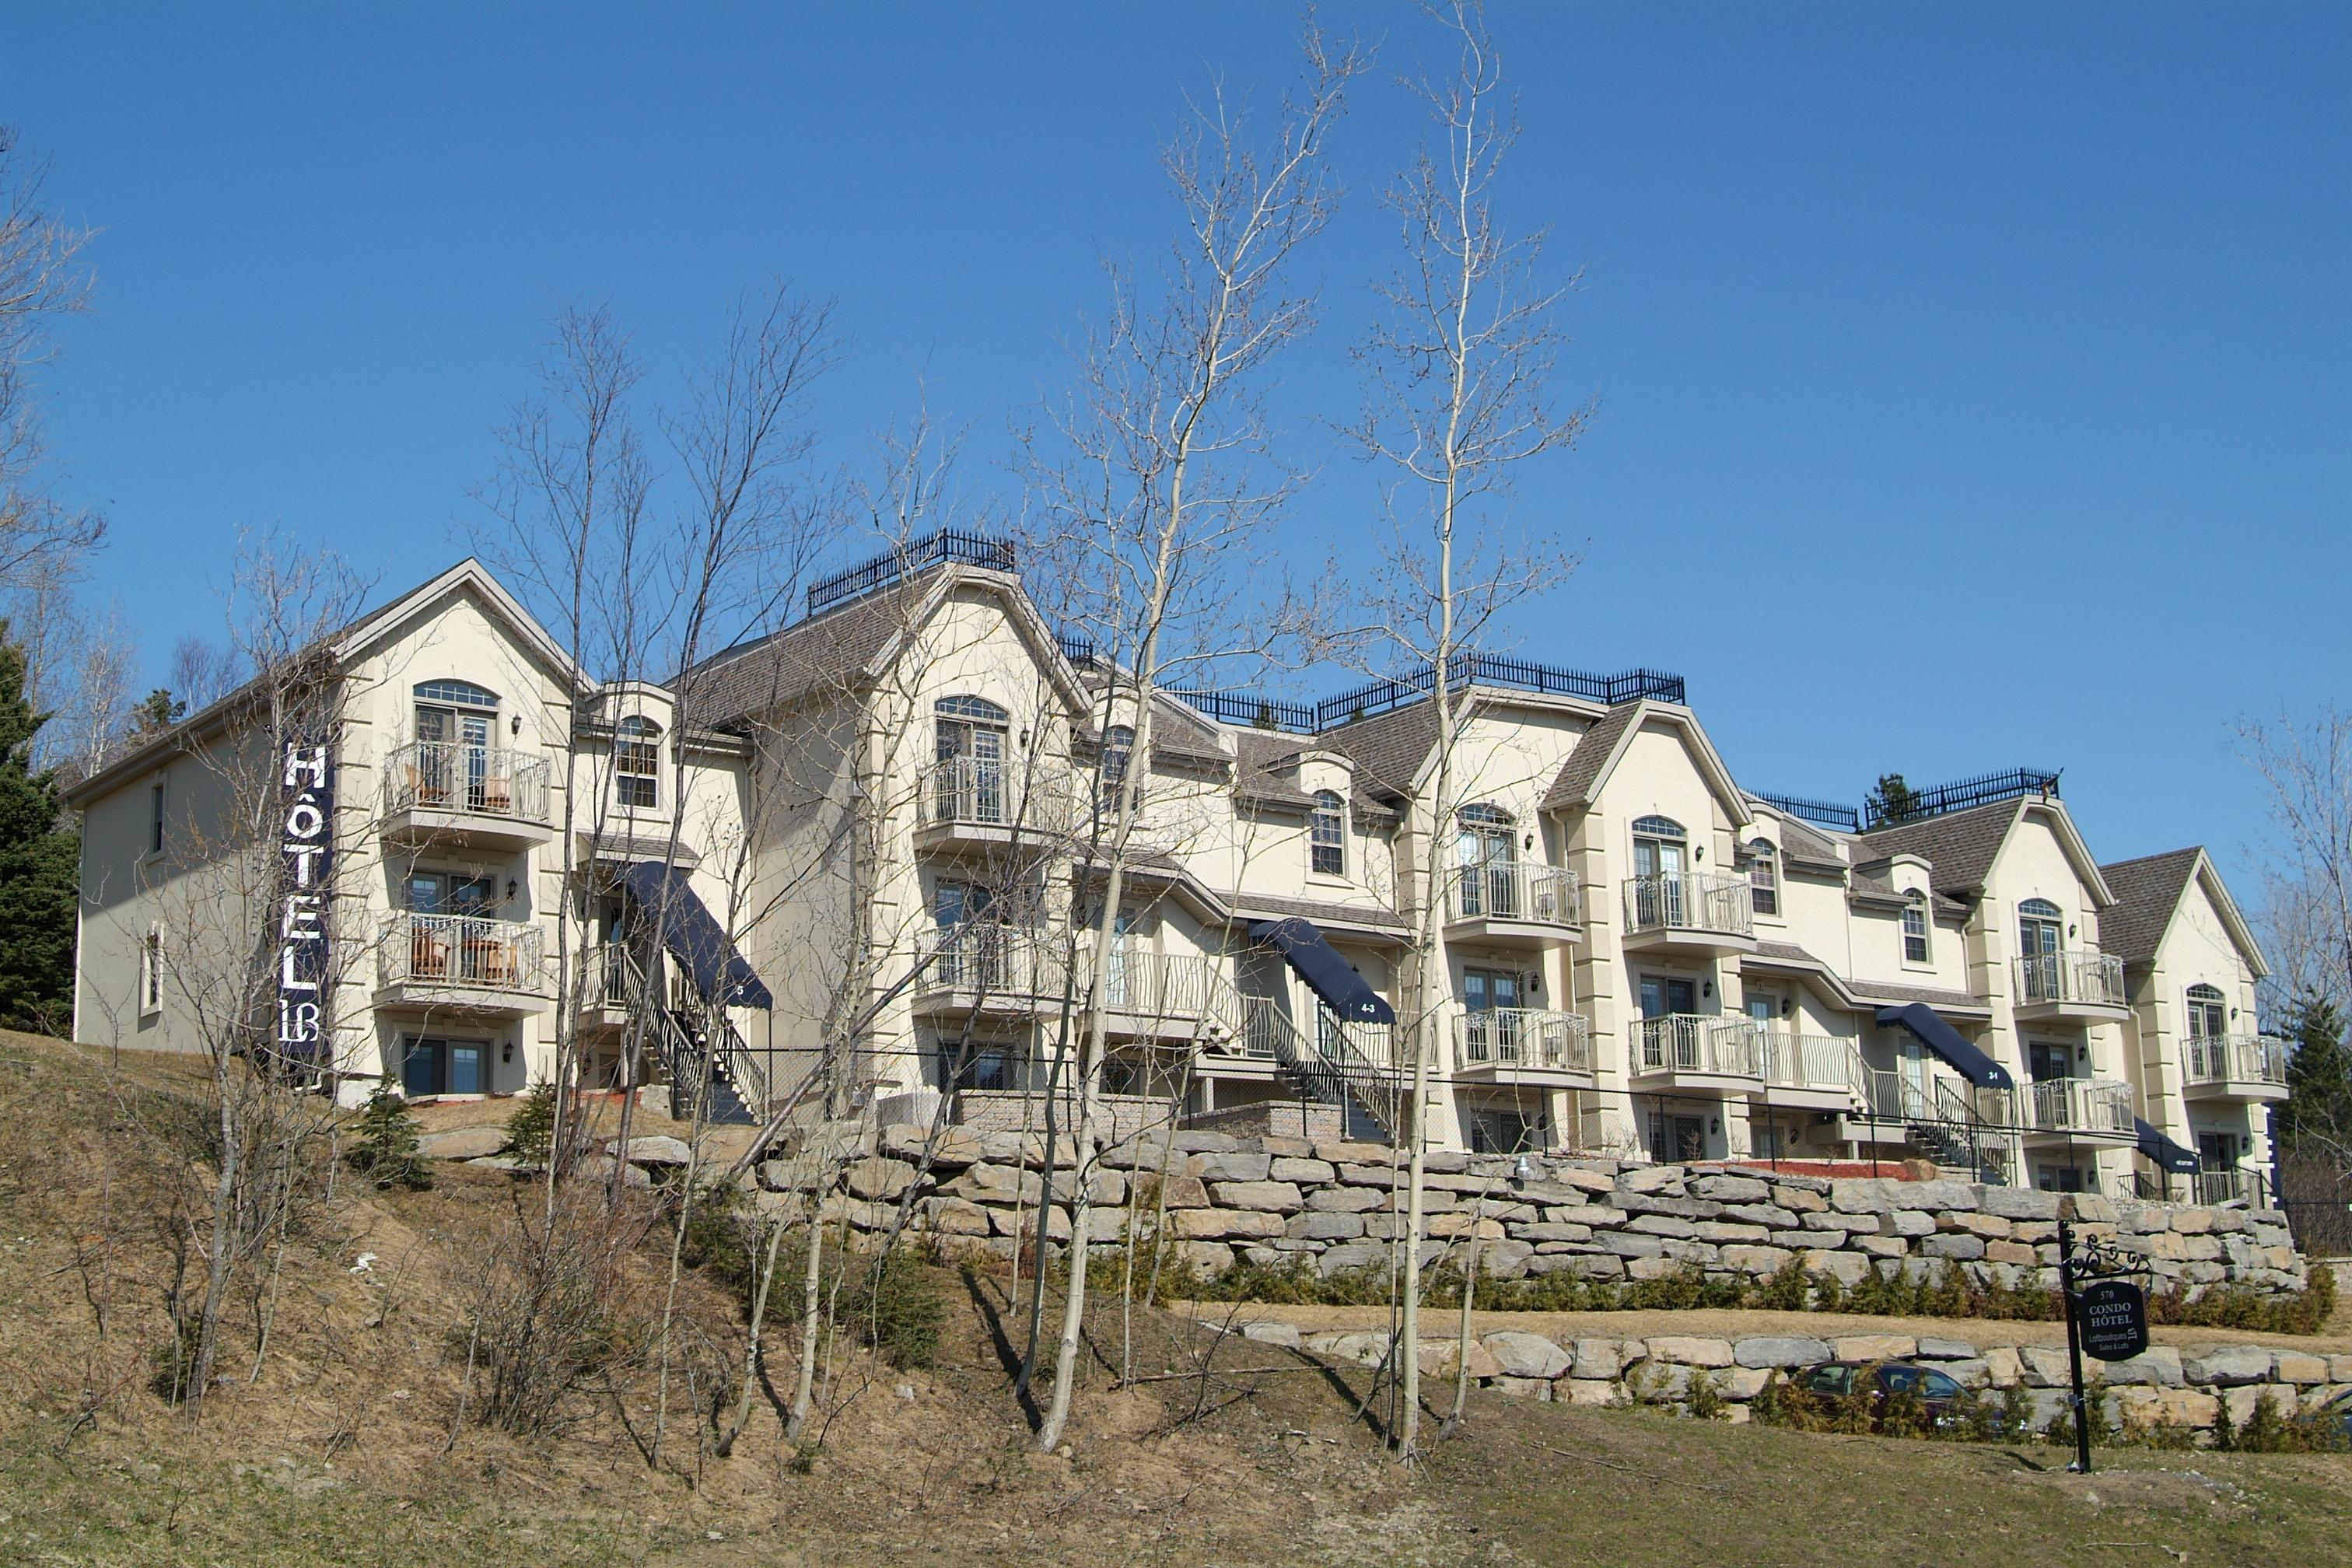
column 1327, row 829
column 1916, row 910
column 633, row 736
column 150, row 971
column 1760, row 852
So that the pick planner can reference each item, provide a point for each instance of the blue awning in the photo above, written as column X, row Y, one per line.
column 1328, row 974
column 1948, row 1043
column 2167, row 1155
column 693, row 937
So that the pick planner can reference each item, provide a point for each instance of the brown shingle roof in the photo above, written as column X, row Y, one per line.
column 1337, row 915
column 1585, row 763
column 790, row 664
column 1799, row 845
column 2146, row 892
column 1958, row 845
column 1388, row 749
column 1258, row 758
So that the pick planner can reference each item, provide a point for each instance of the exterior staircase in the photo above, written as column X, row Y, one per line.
column 702, row 1053
column 1337, row 1067
column 1946, row 1121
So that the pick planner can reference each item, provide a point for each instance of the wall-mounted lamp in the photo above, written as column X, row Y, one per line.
column 1788, row 1006
column 514, row 724
column 1715, row 1124
column 513, row 888
column 1699, row 852
column 1706, row 987
column 1523, row 1170
column 2070, row 930
column 1535, row 984
column 506, row 1051
column 1024, row 740
column 1527, row 840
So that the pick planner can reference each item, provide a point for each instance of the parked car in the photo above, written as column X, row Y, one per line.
column 1837, row 1380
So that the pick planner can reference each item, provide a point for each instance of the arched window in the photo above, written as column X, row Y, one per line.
column 1485, row 847
column 1326, row 835
column 455, row 694
column 1763, row 876
column 968, row 786
column 1118, row 756
column 1659, row 846
column 2040, row 927
column 637, row 763
column 2208, row 1012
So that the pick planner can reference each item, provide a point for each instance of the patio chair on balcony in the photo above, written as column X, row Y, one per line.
column 429, row 955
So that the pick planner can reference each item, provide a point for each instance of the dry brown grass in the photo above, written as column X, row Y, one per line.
column 348, row 1447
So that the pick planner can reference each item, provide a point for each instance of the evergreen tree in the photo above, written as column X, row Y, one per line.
column 531, row 1130
column 386, row 1152
column 40, row 868
column 155, row 713
column 1892, row 802
column 2318, row 1075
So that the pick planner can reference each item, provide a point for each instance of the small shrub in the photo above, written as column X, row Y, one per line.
column 531, row 1130
column 1786, row 1291
column 386, row 1153
column 2095, row 1419
column 901, row 1308
column 1707, row 1401
column 174, row 1362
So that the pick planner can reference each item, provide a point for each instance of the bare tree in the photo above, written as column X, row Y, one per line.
column 2307, row 913
column 42, row 278
column 203, row 671
column 1168, row 468
column 1457, row 377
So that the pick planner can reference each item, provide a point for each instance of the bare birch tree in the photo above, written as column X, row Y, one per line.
column 1457, row 375
column 1167, row 466
column 2306, row 914
column 43, row 277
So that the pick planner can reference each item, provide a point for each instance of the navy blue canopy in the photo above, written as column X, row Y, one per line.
column 1947, row 1043
column 693, row 937
column 1328, row 974
column 2167, row 1155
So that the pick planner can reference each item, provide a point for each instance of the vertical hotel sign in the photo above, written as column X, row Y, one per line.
column 306, row 861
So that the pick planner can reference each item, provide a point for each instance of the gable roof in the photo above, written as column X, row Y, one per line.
column 1388, row 749
column 1258, row 759
column 2148, row 894
column 340, row 647
column 1961, row 846
column 1600, row 748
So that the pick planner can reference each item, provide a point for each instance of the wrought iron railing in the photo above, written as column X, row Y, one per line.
column 2012, row 785
column 1689, row 900
column 1696, row 1043
column 2234, row 1185
column 1012, row 963
column 1522, row 1036
column 2082, row 1105
column 1378, row 696
column 458, row 776
column 2234, row 1059
column 1251, row 710
column 1512, row 890
column 468, row 951
column 2082, row 974
column 1825, row 813
column 1808, row 1061
column 946, row 546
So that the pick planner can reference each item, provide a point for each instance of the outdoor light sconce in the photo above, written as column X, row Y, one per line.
column 1706, row 987
column 506, row 1051
column 514, row 724
column 513, row 888
column 1788, row 1006
column 1024, row 740
column 1527, row 840
column 1535, row 984
column 1698, row 852
column 2070, row 930
column 1715, row 1124
column 1523, row 1170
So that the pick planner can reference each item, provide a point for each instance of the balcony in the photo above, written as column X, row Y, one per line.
column 1526, row 1046
column 975, row 804
column 465, row 797
column 1513, row 903
column 1165, row 996
column 461, row 963
column 1701, row 1053
column 2082, row 1107
column 1817, row 1072
column 2081, row 987
column 991, row 970
column 2237, row 1186
column 1689, row 912
column 2234, row 1068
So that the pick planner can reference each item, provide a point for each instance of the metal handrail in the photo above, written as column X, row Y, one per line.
column 1003, row 961
column 1522, row 1036
column 1512, row 890
column 2234, row 1059
column 1169, row 986
column 468, row 951
column 1697, row 1043
column 2080, row 974
column 2082, row 1104
column 1689, row 900
column 462, row 776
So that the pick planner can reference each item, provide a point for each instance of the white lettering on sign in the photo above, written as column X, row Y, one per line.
column 306, row 860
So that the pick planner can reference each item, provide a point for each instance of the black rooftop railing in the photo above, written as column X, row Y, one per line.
column 1251, row 710
column 2015, row 783
column 946, row 547
column 1488, row 669
column 1818, row 811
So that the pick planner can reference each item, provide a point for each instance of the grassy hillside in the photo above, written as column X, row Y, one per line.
column 345, row 1441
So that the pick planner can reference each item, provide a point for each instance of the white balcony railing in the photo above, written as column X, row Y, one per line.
column 1697, row 1043
column 992, row 792
column 454, row 775
column 1512, row 890
column 2082, row 975
column 1167, row 986
column 468, row 952
column 2082, row 1105
column 1808, row 1061
column 2234, row 1059
column 1522, row 1036
column 1008, row 964
column 1689, row 900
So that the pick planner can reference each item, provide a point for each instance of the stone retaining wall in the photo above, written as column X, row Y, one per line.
column 1334, row 1207
column 2184, row 1390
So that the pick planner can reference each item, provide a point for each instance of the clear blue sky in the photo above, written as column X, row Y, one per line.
column 1974, row 380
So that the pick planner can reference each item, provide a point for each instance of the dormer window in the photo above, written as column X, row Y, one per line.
column 1326, row 835
column 1763, row 876
column 1118, row 756
column 1915, row 929
column 637, row 763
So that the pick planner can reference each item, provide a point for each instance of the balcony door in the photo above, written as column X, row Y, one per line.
column 2045, row 1060
column 969, row 786
column 2038, row 935
column 1490, row 1004
column 455, row 721
column 1660, row 846
column 1674, row 1044
column 1487, row 847
column 970, row 943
